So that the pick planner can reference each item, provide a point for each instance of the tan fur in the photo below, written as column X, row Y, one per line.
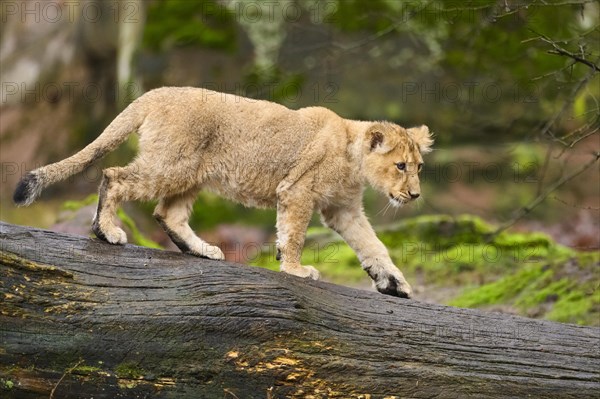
column 257, row 153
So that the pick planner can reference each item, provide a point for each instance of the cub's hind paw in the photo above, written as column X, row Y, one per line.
column 301, row 271
column 115, row 235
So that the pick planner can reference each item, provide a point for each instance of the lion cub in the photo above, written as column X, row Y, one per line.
column 257, row 153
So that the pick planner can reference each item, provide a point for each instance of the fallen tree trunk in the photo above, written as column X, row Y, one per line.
column 81, row 318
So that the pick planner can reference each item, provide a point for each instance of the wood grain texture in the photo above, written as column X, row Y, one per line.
column 126, row 321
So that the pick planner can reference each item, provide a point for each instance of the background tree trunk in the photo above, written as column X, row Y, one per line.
column 81, row 318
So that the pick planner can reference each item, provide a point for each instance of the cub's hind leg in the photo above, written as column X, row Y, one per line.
column 173, row 213
column 118, row 184
column 294, row 211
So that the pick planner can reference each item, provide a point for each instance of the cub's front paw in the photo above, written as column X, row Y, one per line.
column 392, row 285
column 213, row 252
column 301, row 271
column 206, row 250
column 389, row 280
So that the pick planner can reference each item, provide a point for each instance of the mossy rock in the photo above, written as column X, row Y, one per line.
column 526, row 272
column 545, row 291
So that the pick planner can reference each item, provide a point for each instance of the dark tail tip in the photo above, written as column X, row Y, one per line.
column 27, row 190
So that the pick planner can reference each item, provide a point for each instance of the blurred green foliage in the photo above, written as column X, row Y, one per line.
column 274, row 85
column 73, row 205
column 189, row 23
column 211, row 210
column 356, row 15
column 484, row 65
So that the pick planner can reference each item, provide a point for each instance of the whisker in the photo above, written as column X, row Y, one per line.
column 399, row 204
column 388, row 207
column 383, row 210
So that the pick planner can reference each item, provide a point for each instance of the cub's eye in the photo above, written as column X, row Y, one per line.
column 401, row 165
column 420, row 167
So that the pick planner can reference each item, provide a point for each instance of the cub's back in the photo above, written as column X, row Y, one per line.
column 244, row 145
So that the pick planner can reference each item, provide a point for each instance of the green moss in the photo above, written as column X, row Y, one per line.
column 464, row 248
column 6, row 384
column 501, row 290
column 540, row 290
column 543, row 290
column 86, row 370
column 524, row 271
column 578, row 307
column 129, row 370
column 589, row 259
column 15, row 261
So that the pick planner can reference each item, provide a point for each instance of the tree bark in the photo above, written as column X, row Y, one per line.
column 80, row 318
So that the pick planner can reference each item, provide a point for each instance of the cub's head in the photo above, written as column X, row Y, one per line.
column 392, row 159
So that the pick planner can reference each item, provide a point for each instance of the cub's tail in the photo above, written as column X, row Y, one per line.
column 31, row 185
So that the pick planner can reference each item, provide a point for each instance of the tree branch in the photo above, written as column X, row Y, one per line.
column 564, row 52
column 575, row 91
column 540, row 198
column 140, row 322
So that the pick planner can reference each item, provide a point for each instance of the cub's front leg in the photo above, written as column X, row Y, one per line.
column 355, row 229
column 294, row 210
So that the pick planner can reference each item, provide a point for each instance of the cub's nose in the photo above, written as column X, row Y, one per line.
column 414, row 195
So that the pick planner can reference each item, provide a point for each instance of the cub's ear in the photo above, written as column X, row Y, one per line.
column 422, row 138
column 380, row 139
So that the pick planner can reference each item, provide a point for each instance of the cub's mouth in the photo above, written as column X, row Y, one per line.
column 399, row 200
